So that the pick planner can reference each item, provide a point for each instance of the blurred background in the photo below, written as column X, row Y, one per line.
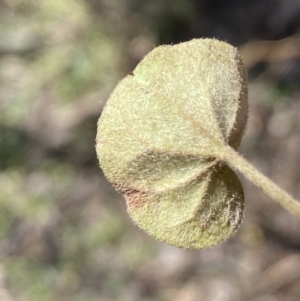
column 64, row 231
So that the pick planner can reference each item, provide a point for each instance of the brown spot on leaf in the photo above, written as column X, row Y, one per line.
column 135, row 198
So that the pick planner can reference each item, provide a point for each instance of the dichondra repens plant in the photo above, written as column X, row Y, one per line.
column 167, row 140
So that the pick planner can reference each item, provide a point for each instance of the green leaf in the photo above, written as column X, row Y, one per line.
column 161, row 136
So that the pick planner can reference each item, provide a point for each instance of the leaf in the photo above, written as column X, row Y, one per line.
column 160, row 137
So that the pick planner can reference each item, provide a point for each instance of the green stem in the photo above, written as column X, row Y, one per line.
column 268, row 186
